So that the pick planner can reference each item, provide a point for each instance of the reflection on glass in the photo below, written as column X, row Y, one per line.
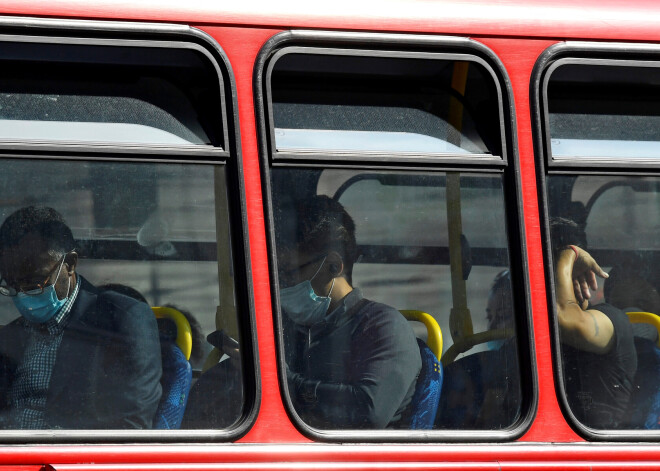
column 113, row 240
column 344, row 103
column 361, row 246
column 598, row 111
column 111, row 115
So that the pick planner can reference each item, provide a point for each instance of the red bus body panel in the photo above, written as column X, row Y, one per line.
column 518, row 32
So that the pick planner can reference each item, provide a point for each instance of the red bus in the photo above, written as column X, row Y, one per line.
column 366, row 221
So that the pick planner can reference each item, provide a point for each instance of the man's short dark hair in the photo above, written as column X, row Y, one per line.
column 44, row 222
column 564, row 232
column 318, row 225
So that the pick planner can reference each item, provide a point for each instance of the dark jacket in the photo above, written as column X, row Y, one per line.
column 108, row 366
column 358, row 369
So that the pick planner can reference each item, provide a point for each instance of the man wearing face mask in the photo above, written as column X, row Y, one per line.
column 352, row 363
column 76, row 358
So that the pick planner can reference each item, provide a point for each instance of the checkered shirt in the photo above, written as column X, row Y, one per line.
column 28, row 392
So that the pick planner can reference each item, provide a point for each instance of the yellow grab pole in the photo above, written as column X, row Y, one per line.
column 460, row 320
column 225, row 314
column 458, row 82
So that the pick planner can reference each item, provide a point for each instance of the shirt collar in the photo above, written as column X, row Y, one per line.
column 337, row 316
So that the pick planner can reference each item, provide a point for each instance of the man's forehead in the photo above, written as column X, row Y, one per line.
column 293, row 258
column 31, row 253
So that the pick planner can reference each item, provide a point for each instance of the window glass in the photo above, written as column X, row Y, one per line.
column 87, row 353
column 604, row 111
column 614, row 220
column 380, row 104
column 354, row 248
column 93, row 95
column 604, row 241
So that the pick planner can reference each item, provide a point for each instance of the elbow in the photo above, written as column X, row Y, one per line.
column 368, row 416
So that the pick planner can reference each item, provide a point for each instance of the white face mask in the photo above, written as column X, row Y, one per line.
column 302, row 304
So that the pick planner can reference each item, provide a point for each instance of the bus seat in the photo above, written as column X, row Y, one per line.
column 216, row 398
column 644, row 409
column 646, row 318
column 424, row 403
column 478, row 394
column 175, row 348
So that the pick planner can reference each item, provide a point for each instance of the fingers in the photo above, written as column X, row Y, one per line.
column 591, row 280
column 587, row 262
column 586, row 281
column 584, row 286
column 599, row 271
column 577, row 290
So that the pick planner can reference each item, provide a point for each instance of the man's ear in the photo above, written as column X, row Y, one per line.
column 71, row 261
column 335, row 264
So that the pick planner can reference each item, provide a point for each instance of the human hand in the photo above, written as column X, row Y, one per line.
column 585, row 270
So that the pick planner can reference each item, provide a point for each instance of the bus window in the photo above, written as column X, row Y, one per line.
column 603, row 231
column 585, row 122
column 402, row 261
column 402, row 108
column 358, row 249
column 118, row 99
column 119, row 306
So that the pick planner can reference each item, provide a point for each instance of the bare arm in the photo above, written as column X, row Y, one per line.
column 585, row 329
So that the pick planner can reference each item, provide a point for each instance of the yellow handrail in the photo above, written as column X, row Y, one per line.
column 183, row 331
column 434, row 340
column 646, row 318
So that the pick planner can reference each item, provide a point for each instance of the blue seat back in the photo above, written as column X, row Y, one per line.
column 175, row 382
column 424, row 404
column 467, row 384
column 644, row 408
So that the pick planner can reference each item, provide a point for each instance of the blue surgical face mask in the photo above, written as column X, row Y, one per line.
column 41, row 307
column 302, row 304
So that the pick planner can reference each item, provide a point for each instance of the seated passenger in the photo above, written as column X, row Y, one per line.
column 598, row 350
column 499, row 310
column 482, row 390
column 76, row 358
column 216, row 399
column 351, row 363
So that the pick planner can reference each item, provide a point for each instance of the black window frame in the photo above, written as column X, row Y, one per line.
column 226, row 153
column 577, row 53
column 393, row 45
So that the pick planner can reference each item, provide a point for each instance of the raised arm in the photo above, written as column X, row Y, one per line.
column 585, row 329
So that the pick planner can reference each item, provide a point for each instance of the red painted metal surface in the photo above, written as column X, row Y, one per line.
column 176, row 457
column 242, row 46
column 519, row 58
column 587, row 19
column 517, row 32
